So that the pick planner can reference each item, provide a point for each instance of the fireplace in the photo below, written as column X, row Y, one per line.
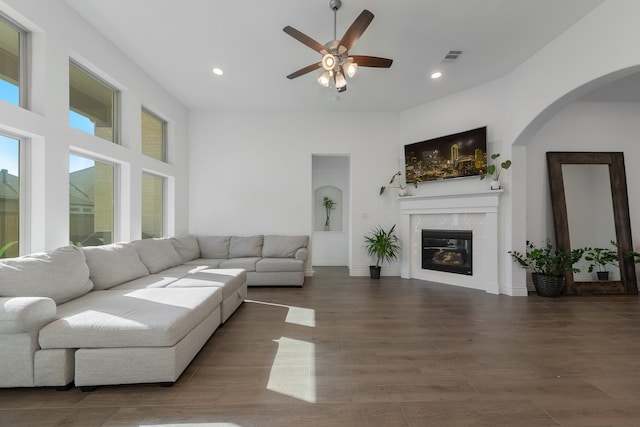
column 448, row 250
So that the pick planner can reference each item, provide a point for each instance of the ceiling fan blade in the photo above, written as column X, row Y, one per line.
column 371, row 61
column 356, row 29
column 305, row 39
column 305, row 70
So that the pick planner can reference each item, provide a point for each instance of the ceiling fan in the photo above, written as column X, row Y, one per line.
column 336, row 60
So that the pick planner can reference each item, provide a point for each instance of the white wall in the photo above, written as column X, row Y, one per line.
column 58, row 34
column 251, row 173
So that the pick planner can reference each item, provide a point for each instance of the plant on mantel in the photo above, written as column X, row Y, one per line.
column 398, row 184
column 494, row 170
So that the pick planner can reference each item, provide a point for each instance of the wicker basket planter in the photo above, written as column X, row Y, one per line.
column 549, row 286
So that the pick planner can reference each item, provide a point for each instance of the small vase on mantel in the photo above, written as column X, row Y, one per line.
column 495, row 185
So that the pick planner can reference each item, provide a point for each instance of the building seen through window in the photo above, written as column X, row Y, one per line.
column 153, row 136
column 152, row 206
column 92, row 104
column 9, row 197
column 91, row 202
column 11, row 62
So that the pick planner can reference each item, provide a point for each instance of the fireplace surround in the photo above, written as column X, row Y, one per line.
column 477, row 212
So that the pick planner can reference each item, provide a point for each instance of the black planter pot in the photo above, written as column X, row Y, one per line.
column 374, row 271
column 549, row 286
column 602, row 275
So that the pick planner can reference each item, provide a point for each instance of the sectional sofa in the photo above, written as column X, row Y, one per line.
column 130, row 312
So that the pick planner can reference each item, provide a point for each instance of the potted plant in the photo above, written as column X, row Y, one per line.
column 383, row 245
column 403, row 188
column 329, row 205
column 548, row 265
column 600, row 258
column 494, row 169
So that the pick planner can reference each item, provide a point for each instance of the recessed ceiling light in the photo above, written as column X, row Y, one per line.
column 218, row 71
column 436, row 75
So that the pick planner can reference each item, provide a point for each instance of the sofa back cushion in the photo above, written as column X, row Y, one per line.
column 186, row 246
column 61, row 274
column 243, row 247
column 283, row 246
column 111, row 265
column 214, row 247
column 157, row 254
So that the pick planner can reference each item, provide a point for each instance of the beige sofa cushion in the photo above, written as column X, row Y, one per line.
column 157, row 254
column 113, row 264
column 61, row 275
column 214, row 247
column 245, row 246
column 130, row 318
column 248, row 264
column 279, row 264
column 229, row 280
column 283, row 246
column 186, row 246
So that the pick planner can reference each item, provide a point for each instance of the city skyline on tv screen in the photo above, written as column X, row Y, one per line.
column 452, row 156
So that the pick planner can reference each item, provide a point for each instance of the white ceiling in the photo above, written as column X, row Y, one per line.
column 178, row 42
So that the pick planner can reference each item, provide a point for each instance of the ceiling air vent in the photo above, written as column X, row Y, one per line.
column 452, row 56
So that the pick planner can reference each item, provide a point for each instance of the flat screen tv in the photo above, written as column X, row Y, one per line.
column 452, row 156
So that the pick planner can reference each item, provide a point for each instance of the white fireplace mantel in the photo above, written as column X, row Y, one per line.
column 479, row 209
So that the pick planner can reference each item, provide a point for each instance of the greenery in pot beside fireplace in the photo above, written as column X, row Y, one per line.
column 548, row 265
column 383, row 245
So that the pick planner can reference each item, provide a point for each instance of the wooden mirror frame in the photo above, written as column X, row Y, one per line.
column 617, row 176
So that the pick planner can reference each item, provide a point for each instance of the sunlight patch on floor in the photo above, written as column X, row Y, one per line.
column 296, row 315
column 297, row 381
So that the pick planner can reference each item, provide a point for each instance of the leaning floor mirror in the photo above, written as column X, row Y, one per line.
column 591, row 209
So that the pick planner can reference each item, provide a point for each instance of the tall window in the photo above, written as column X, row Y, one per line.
column 9, row 197
column 91, row 201
column 152, row 206
column 153, row 136
column 12, row 66
column 92, row 104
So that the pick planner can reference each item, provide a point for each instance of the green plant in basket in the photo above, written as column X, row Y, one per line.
column 547, row 260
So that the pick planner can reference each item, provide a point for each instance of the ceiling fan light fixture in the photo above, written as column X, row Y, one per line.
column 325, row 79
column 352, row 69
column 340, row 80
column 328, row 62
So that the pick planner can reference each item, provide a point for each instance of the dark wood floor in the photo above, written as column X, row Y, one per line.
column 347, row 351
